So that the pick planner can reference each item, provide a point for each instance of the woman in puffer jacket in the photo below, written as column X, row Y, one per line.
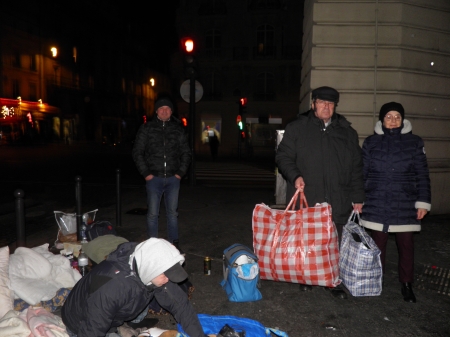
column 397, row 187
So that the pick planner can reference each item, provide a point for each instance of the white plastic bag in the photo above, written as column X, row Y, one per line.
column 67, row 222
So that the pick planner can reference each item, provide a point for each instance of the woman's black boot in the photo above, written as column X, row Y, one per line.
column 407, row 293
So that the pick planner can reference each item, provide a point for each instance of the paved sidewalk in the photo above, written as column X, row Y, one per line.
column 211, row 219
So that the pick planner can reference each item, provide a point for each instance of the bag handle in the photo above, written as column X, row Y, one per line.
column 276, row 233
column 352, row 218
column 303, row 202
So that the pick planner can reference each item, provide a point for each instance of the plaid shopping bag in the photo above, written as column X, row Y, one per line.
column 359, row 261
column 298, row 246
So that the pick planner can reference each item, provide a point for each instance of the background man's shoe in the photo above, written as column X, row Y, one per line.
column 305, row 287
column 407, row 293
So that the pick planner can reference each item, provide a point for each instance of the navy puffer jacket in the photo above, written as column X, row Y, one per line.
column 396, row 179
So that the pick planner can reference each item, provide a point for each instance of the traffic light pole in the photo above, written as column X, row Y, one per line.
column 239, row 144
column 192, row 127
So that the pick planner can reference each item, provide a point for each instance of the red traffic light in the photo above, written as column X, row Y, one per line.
column 184, row 121
column 243, row 101
column 238, row 119
column 187, row 45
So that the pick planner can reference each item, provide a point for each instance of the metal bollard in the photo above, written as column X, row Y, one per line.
column 78, row 206
column 20, row 218
column 118, row 206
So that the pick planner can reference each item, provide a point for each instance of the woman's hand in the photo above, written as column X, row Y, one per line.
column 358, row 208
column 421, row 212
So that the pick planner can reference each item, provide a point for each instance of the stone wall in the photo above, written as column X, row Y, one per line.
column 375, row 52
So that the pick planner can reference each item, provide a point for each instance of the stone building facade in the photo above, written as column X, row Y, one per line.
column 376, row 52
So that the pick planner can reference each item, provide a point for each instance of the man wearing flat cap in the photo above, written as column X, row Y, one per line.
column 320, row 155
column 162, row 156
column 120, row 288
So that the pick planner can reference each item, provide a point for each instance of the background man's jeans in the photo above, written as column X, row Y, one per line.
column 156, row 187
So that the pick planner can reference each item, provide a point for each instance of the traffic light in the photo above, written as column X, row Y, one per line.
column 188, row 49
column 184, row 121
column 239, row 122
column 242, row 134
column 242, row 105
column 187, row 44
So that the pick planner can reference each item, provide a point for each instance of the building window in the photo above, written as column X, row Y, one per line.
column 16, row 60
column 33, row 66
column 213, row 87
column 265, row 4
column 240, row 53
column 212, row 7
column 294, row 76
column 15, row 88
column 265, row 86
column 32, row 92
column 265, row 46
column 75, row 79
column 213, row 43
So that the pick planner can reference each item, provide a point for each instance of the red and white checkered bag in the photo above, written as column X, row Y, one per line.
column 298, row 246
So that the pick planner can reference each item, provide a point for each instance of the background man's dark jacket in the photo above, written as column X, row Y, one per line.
column 328, row 159
column 112, row 294
column 162, row 149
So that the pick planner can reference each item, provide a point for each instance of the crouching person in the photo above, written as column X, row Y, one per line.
column 120, row 288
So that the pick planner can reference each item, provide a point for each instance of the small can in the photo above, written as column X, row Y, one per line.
column 207, row 266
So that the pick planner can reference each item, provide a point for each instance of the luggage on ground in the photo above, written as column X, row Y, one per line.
column 240, row 274
column 298, row 246
column 359, row 260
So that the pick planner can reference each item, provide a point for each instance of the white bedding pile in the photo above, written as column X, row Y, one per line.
column 36, row 274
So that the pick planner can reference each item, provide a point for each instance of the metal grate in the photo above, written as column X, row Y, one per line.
column 435, row 279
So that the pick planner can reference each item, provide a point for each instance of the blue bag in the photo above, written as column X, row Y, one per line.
column 240, row 274
column 252, row 328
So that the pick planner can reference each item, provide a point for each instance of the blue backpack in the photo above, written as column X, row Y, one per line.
column 240, row 274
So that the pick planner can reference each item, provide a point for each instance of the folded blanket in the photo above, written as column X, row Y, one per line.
column 43, row 323
column 32, row 322
column 11, row 325
column 36, row 274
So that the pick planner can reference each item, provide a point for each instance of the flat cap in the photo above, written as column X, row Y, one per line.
column 326, row 93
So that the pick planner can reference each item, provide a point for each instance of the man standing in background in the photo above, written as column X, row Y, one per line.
column 162, row 156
